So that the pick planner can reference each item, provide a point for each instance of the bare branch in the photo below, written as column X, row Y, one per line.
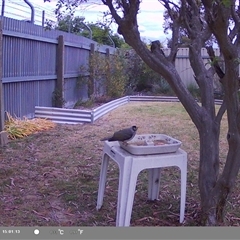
column 221, row 111
column 218, row 17
column 186, row 18
column 220, row 74
column 174, row 43
column 235, row 16
column 113, row 11
column 134, row 7
column 174, row 15
column 125, row 6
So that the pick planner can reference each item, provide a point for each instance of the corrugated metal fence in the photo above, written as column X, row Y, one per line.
column 36, row 61
column 31, row 65
column 183, row 66
column 76, row 116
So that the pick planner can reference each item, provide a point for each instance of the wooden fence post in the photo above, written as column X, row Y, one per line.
column 1, row 84
column 107, row 52
column 3, row 134
column 91, row 71
column 59, row 91
column 108, row 72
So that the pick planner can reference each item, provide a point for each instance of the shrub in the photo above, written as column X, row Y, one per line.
column 194, row 90
column 107, row 75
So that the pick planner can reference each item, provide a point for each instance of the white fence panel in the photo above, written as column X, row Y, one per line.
column 183, row 66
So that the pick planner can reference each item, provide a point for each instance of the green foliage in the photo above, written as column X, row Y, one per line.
column 162, row 87
column 104, row 35
column 88, row 103
column 215, row 60
column 119, row 74
column 226, row 3
column 107, row 75
column 67, row 22
column 100, row 33
column 68, row 7
column 142, row 78
column 116, row 78
column 57, row 99
column 194, row 90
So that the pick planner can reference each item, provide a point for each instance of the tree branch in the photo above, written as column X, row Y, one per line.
column 186, row 17
column 218, row 17
column 174, row 15
column 113, row 11
column 221, row 111
column 194, row 22
column 215, row 64
column 134, row 7
column 125, row 6
column 157, row 60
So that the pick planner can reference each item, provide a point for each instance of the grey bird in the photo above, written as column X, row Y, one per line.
column 122, row 135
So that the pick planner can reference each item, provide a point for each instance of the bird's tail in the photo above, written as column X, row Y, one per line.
column 104, row 139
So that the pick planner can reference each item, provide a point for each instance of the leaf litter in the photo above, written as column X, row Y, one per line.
column 50, row 177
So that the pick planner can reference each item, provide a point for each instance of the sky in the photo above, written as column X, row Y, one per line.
column 150, row 17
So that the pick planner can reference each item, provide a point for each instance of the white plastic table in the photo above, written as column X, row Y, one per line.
column 129, row 168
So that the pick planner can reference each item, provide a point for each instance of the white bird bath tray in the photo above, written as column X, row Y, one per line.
column 146, row 144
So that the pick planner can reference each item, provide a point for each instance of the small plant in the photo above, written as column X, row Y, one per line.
column 165, row 87
column 88, row 103
column 162, row 87
column 116, row 78
column 194, row 90
column 106, row 76
column 17, row 128
column 57, row 98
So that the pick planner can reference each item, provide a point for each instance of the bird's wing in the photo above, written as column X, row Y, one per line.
column 133, row 135
column 122, row 135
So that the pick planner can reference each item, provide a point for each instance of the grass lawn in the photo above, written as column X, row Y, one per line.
column 51, row 178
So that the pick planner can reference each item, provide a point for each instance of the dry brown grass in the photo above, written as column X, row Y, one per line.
column 51, row 178
column 17, row 128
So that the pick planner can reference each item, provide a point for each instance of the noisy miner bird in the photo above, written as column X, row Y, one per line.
column 123, row 135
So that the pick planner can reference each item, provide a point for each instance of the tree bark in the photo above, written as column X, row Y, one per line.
column 208, row 170
column 215, row 190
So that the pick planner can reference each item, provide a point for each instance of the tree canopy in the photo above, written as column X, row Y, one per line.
column 68, row 22
column 98, row 32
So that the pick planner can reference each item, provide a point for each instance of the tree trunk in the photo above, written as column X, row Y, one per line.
column 214, row 190
column 214, row 19
column 208, row 170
